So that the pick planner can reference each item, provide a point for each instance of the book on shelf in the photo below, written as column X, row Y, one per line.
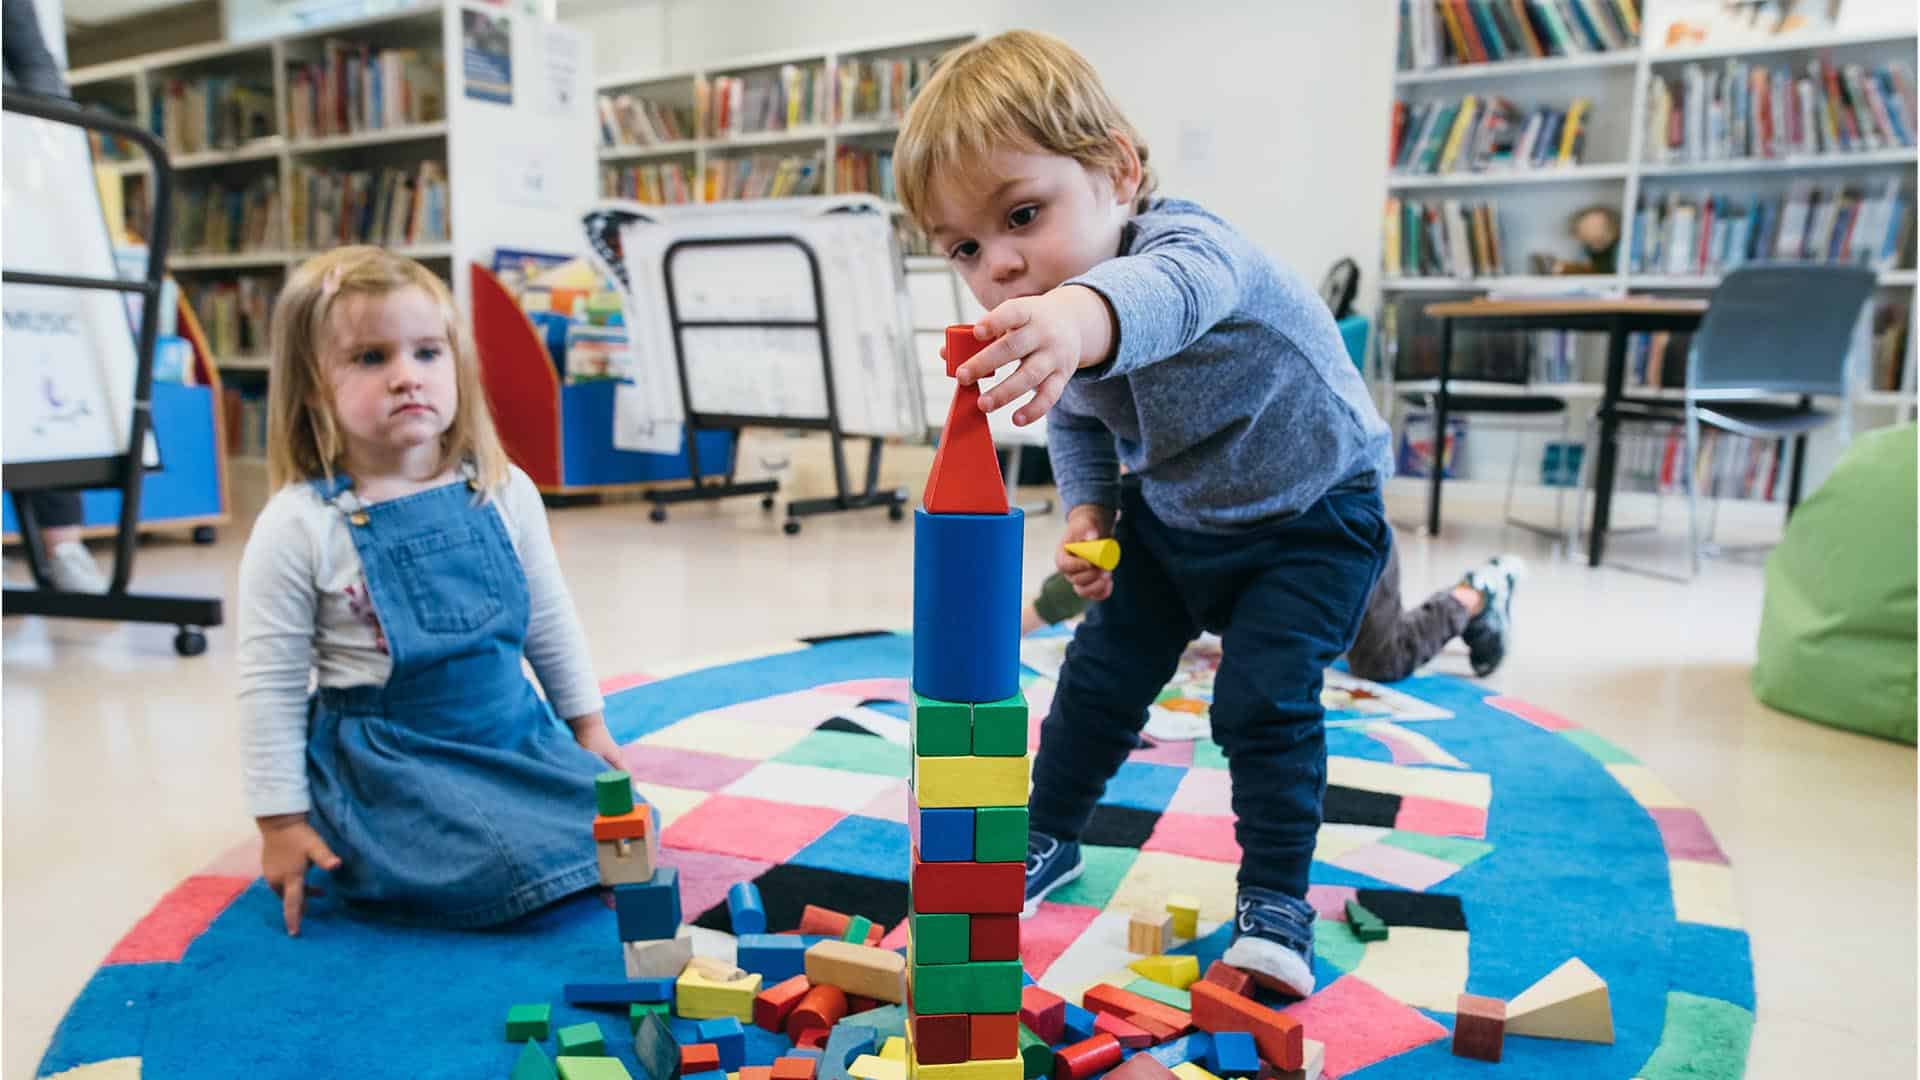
column 794, row 96
column 1481, row 133
column 218, row 220
column 391, row 206
column 211, row 112
column 233, row 313
column 664, row 184
column 1749, row 112
column 246, row 420
column 1887, row 368
column 880, row 88
column 627, row 120
column 1443, row 33
column 354, row 88
column 1868, row 225
column 861, row 169
column 762, row 176
column 1441, row 238
column 107, row 146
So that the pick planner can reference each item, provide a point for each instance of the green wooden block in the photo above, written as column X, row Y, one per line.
column 637, row 1013
column 1000, row 834
column 581, row 1040
column 1036, row 1057
column 858, row 927
column 1162, row 993
column 941, row 728
column 941, row 939
column 1000, row 728
column 528, row 1022
column 533, row 1064
column 991, row 986
column 613, row 793
column 593, row 1068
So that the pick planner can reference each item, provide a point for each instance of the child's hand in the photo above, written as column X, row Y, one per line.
column 1050, row 336
column 1087, row 521
column 287, row 845
column 590, row 731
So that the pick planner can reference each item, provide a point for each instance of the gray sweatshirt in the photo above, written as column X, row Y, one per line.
column 1230, row 393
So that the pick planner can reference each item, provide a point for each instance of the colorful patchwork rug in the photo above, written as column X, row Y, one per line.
column 1495, row 839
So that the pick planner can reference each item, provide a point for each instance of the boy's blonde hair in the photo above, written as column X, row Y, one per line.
column 304, row 440
column 1019, row 90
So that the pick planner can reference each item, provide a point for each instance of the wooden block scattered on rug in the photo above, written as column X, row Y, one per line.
column 1149, row 935
column 1179, row 972
column 1279, row 1036
column 1570, row 1003
column 1479, row 1027
column 880, row 974
column 1186, row 916
column 1229, row 978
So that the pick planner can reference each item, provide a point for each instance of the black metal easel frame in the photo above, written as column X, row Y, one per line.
column 894, row 499
column 121, row 471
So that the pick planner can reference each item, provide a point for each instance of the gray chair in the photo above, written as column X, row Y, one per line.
column 1771, row 330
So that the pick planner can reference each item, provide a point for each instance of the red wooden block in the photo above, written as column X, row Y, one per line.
column 942, row 1040
column 1479, row 1027
column 1160, row 1032
column 1227, row 977
column 995, row 1037
column 772, row 1006
column 858, row 1004
column 1278, row 1035
column 969, row 888
column 1044, row 1013
column 794, row 1068
column 754, row 1072
column 1107, row 998
column 812, row 1039
column 994, row 937
column 965, row 478
column 699, row 1058
column 822, row 1007
column 1141, row 1067
column 1131, row 1037
column 822, row 922
column 1084, row 1059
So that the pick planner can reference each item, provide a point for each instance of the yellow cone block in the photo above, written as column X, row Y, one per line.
column 895, row 1048
column 1178, row 972
column 1104, row 554
column 942, row 782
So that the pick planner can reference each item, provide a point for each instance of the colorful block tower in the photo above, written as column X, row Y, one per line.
column 968, row 809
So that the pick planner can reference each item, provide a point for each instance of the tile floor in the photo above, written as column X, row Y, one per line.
column 121, row 762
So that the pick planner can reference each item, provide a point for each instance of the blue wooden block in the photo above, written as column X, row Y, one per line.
column 619, row 993
column 1079, row 1023
column 1192, row 1047
column 1233, row 1054
column 710, row 1074
column 651, row 911
column 966, row 605
column 744, row 909
column 846, row 1042
column 774, row 957
column 946, row 835
column 1026, row 979
column 813, row 1052
column 729, row 1038
column 685, row 1032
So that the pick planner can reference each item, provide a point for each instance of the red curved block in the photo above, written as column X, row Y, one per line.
column 1085, row 1059
column 823, row 1007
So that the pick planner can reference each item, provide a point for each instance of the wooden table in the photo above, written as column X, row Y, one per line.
column 1615, row 316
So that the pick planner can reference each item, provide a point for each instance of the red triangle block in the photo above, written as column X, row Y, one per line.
column 965, row 478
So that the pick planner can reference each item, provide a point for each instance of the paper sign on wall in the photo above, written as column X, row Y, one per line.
column 487, row 45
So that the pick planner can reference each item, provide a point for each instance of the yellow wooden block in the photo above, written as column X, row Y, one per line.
column 701, row 994
column 943, row 782
column 1104, row 554
column 1178, row 972
column 895, row 1048
column 1187, row 1070
column 870, row 1067
column 1186, row 916
column 996, row 1069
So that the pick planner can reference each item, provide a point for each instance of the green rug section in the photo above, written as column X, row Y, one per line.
column 1105, row 868
column 1704, row 1039
column 1208, row 755
column 1453, row 849
column 1598, row 748
column 1333, row 941
column 848, row 752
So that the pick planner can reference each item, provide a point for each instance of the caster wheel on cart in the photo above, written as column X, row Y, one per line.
column 791, row 528
column 896, row 512
column 203, row 534
column 189, row 642
column 657, row 515
column 766, row 502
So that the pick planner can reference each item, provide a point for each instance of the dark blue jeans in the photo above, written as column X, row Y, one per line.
column 1286, row 599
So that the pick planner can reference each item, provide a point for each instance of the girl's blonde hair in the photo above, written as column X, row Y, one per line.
column 304, row 440
column 1021, row 89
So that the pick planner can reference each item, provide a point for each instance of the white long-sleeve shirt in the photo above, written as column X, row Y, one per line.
column 305, row 617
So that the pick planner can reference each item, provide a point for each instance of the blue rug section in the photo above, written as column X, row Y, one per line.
column 1577, row 868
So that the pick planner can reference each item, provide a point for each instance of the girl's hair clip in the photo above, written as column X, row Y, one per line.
column 330, row 284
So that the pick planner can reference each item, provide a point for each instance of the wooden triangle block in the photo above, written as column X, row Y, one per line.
column 1570, row 1003
column 965, row 478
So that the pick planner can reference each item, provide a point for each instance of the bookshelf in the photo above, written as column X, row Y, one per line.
column 1620, row 168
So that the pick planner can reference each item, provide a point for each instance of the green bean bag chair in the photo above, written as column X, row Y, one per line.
column 1837, row 639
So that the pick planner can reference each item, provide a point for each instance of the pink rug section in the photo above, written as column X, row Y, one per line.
column 1686, row 836
column 1054, row 927
column 624, row 682
column 1330, row 901
column 178, row 920
column 889, row 805
column 1404, row 752
column 1397, row 866
column 1208, row 838
column 1204, row 792
column 1437, row 817
column 1532, row 714
column 690, row 769
column 870, row 690
column 1361, row 1025
column 1166, row 753
column 242, row 860
column 706, row 877
column 897, row 937
column 749, row 828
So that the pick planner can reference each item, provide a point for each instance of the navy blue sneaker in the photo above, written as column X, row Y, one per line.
column 1050, row 864
column 1272, row 939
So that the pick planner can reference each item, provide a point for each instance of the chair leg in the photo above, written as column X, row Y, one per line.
column 1693, row 492
column 1799, row 467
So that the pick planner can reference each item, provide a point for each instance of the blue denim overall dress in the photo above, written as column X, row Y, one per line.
column 452, row 794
